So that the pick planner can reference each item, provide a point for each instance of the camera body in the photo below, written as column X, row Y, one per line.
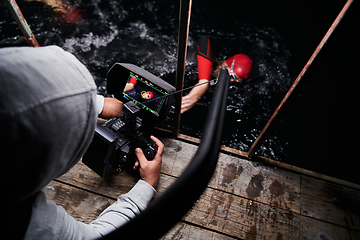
column 146, row 103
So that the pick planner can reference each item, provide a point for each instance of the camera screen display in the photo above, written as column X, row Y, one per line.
column 142, row 92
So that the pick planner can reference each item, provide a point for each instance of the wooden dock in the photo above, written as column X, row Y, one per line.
column 244, row 200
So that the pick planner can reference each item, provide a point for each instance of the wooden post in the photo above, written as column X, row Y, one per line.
column 184, row 22
column 21, row 22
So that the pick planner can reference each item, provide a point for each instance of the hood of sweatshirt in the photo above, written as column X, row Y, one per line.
column 47, row 117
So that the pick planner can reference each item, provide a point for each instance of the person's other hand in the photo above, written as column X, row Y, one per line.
column 188, row 102
column 128, row 87
column 191, row 99
column 150, row 170
column 112, row 108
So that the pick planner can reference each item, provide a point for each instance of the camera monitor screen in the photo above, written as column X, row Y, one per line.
column 150, row 96
column 145, row 89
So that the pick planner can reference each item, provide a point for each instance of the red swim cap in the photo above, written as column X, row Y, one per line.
column 242, row 65
column 72, row 15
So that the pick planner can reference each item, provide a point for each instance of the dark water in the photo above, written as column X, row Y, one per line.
column 145, row 33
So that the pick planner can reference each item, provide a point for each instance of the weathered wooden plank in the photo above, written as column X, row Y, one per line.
column 116, row 184
column 243, row 218
column 315, row 229
column 238, row 179
column 81, row 205
column 176, row 156
column 274, row 187
column 271, row 186
column 112, row 186
column 222, row 211
column 231, row 214
column 254, row 220
column 85, row 207
column 185, row 231
column 238, row 176
column 243, row 200
column 330, row 202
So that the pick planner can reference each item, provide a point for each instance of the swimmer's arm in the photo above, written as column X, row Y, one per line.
column 191, row 99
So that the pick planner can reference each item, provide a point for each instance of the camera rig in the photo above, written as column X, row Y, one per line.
column 146, row 102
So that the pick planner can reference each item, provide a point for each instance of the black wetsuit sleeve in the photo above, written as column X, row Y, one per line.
column 205, row 58
column 205, row 48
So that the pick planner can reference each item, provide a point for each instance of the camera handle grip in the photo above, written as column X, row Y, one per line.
column 148, row 147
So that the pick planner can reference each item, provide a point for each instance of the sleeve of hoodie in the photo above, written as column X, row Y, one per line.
column 99, row 104
column 49, row 221
column 124, row 209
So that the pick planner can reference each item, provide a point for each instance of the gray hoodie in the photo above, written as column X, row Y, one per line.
column 47, row 120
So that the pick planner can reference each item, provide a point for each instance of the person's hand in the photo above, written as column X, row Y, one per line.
column 112, row 108
column 128, row 87
column 191, row 99
column 188, row 102
column 150, row 170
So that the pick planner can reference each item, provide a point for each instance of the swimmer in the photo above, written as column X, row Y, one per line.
column 239, row 67
column 130, row 85
column 147, row 94
column 68, row 13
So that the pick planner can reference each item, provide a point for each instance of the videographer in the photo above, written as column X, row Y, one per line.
column 48, row 112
